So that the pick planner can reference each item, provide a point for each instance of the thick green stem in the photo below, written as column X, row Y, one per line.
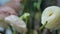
column 42, row 27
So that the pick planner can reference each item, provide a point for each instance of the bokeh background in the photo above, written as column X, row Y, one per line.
column 33, row 22
column 35, row 8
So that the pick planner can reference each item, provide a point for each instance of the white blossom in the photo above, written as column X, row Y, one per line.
column 17, row 23
column 51, row 15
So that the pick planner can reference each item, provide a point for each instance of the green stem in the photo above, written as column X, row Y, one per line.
column 42, row 26
column 26, row 21
column 31, row 31
column 14, row 32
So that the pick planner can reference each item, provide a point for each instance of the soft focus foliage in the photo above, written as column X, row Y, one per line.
column 30, row 12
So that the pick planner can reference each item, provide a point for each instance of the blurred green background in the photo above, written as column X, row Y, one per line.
column 33, row 22
column 35, row 8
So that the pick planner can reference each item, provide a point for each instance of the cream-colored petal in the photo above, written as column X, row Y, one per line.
column 17, row 23
column 51, row 15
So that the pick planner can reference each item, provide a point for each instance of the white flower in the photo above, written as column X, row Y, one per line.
column 51, row 15
column 17, row 23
